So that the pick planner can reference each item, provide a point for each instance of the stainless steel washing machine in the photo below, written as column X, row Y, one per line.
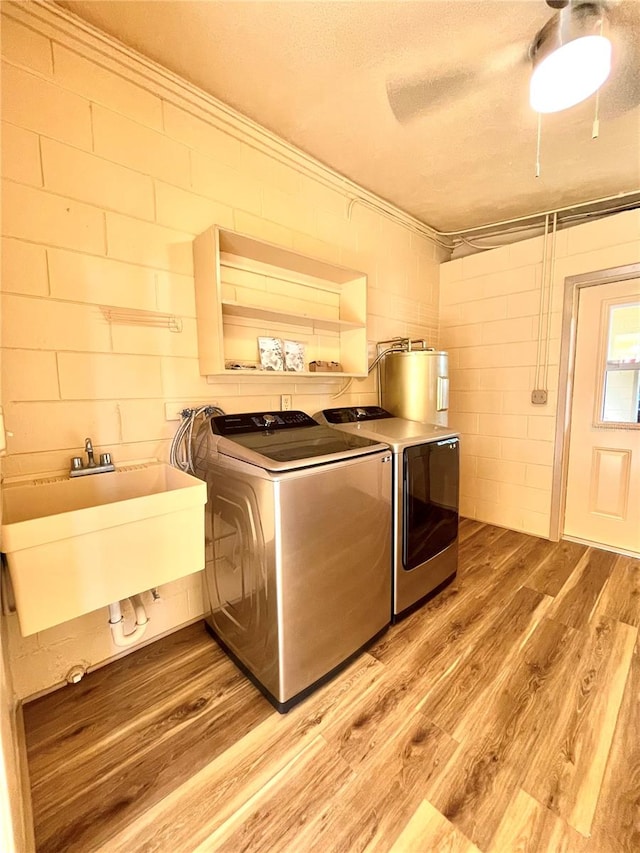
column 425, row 497
column 298, row 546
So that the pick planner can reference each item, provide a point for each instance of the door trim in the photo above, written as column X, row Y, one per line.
column 572, row 287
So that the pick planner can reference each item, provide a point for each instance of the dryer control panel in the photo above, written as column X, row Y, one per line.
column 354, row 414
column 259, row 421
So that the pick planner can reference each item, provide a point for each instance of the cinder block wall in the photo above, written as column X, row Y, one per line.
column 489, row 306
column 108, row 174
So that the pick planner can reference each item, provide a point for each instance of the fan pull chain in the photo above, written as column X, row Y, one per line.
column 538, row 145
column 595, row 132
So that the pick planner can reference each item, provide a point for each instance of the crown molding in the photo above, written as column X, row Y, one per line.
column 67, row 29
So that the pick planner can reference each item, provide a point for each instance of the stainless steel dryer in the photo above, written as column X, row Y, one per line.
column 298, row 546
column 425, row 497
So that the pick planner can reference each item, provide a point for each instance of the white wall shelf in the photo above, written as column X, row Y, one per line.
column 237, row 309
column 246, row 288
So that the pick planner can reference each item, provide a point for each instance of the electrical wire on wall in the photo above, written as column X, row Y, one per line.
column 347, row 385
column 180, row 455
column 552, row 272
column 534, row 228
column 427, row 232
column 540, row 391
column 543, row 284
column 614, row 203
column 342, row 390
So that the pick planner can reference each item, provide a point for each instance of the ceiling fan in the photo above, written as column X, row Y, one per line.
column 558, row 58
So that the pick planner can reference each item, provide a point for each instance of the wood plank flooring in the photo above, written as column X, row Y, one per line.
column 502, row 716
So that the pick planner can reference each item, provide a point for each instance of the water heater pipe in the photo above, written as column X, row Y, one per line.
column 116, row 622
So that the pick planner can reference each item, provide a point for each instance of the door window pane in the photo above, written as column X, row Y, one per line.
column 623, row 345
column 621, row 397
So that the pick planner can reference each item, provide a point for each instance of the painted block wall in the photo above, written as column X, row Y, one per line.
column 489, row 307
column 107, row 178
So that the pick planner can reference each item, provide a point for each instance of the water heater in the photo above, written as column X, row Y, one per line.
column 414, row 384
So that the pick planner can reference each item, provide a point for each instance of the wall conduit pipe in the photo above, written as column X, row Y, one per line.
column 116, row 622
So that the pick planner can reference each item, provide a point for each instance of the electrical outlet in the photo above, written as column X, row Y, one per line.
column 285, row 402
column 538, row 397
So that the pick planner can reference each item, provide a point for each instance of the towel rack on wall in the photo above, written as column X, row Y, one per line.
column 140, row 317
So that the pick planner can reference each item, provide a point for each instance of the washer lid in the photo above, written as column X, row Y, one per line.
column 285, row 441
column 396, row 433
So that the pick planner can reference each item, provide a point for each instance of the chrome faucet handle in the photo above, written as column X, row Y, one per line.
column 91, row 467
column 88, row 448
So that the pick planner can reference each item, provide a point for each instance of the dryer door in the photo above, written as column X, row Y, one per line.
column 430, row 519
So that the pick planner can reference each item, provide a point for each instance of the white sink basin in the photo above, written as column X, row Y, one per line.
column 75, row 545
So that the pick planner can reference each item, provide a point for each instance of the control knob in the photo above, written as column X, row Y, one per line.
column 269, row 419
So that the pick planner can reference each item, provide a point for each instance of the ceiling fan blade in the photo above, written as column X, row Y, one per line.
column 622, row 91
column 411, row 98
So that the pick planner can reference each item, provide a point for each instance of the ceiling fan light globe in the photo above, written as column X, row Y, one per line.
column 570, row 74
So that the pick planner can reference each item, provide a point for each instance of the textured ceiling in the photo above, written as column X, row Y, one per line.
column 316, row 74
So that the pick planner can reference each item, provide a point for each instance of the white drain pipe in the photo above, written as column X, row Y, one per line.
column 116, row 622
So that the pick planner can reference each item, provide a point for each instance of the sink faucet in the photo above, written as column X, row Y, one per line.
column 88, row 449
column 92, row 467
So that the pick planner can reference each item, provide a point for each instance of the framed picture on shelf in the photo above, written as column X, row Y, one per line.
column 293, row 356
column 271, row 353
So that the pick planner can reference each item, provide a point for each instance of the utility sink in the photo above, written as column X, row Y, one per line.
column 74, row 545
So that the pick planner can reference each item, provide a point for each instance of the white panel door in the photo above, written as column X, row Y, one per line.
column 603, row 481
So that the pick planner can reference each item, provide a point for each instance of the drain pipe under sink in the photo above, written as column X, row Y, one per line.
column 116, row 622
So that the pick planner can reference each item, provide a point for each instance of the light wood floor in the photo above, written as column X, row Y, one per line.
column 502, row 716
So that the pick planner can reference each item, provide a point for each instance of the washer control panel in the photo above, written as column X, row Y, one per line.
column 259, row 422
